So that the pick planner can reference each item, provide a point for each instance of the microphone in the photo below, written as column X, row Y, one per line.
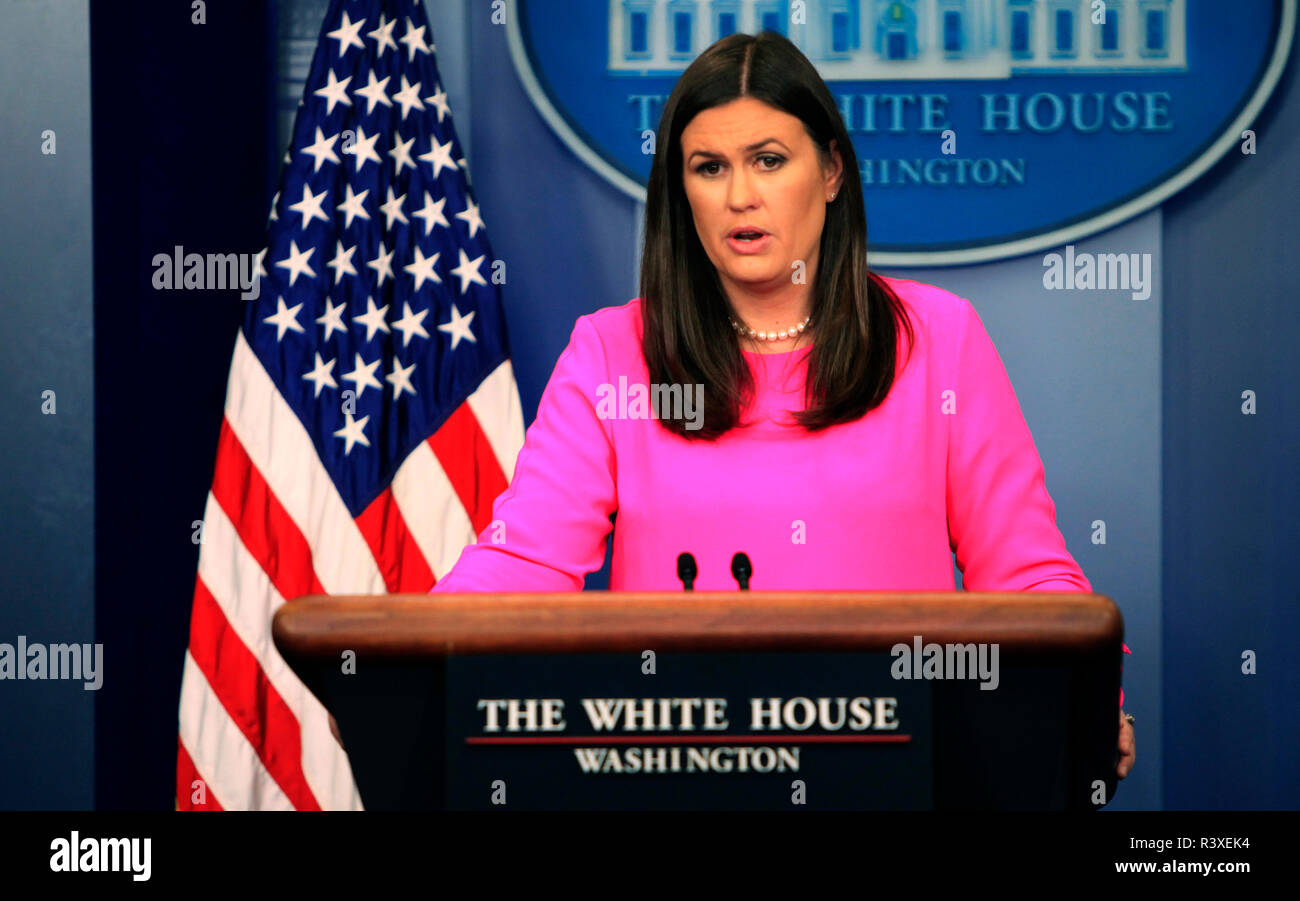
column 686, row 570
column 741, row 570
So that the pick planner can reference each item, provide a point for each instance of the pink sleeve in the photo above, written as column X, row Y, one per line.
column 1001, row 521
column 551, row 523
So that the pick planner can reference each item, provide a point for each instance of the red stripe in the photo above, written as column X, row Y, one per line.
column 264, row 526
column 393, row 546
column 253, row 703
column 466, row 456
column 687, row 740
column 187, row 774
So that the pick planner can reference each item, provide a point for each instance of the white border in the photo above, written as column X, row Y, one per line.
column 1108, row 219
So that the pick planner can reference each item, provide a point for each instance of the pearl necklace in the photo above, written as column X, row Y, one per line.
column 770, row 336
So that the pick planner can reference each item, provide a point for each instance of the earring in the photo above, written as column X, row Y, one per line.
column 833, row 193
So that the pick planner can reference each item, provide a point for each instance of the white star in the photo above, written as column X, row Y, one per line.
column 422, row 268
column 382, row 264
column 401, row 379
column 458, row 327
column 363, row 148
column 275, row 201
column 439, row 102
column 373, row 319
column 333, row 92
column 414, row 40
column 296, row 262
column 383, row 36
column 352, row 205
column 342, row 263
column 332, row 319
column 322, row 150
column 408, row 96
column 467, row 271
column 471, row 217
column 393, row 209
column 432, row 213
column 410, row 324
column 346, row 34
column 439, row 156
column 364, row 375
column 353, row 432
column 310, row 207
column 285, row 318
column 401, row 154
column 322, row 375
column 374, row 91
column 259, row 259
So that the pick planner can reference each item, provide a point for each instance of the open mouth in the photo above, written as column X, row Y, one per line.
column 748, row 235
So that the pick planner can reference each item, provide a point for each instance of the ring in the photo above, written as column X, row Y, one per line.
column 1131, row 718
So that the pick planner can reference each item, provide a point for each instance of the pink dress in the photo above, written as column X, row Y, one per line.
column 946, row 463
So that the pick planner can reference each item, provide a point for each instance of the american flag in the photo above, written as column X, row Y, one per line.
column 371, row 414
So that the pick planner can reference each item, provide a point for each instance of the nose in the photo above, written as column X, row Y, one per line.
column 741, row 188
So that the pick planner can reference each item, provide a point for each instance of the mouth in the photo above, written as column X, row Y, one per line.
column 746, row 240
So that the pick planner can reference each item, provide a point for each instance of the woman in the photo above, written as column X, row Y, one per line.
column 845, row 430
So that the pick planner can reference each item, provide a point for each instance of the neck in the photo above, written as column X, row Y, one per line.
column 770, row 311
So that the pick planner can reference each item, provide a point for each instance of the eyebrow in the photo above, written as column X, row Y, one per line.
column 754, row 146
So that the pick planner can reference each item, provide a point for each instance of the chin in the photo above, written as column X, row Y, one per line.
column 754, row 278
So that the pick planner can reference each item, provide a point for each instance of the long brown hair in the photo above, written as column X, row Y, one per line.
column 686, row 336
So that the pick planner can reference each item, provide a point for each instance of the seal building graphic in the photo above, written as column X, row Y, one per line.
column 913, row 39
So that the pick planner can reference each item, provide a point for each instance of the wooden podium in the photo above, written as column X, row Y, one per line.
column 718, row 700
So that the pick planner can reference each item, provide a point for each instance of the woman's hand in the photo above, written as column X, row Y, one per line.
column 1127, row 746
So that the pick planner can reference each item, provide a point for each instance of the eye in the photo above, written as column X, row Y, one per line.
column 771, row 162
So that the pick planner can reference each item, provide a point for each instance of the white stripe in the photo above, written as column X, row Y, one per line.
column 225, row 761
column 245, row 593
column 500, row 415
column 433, row 511
column 279, row 446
